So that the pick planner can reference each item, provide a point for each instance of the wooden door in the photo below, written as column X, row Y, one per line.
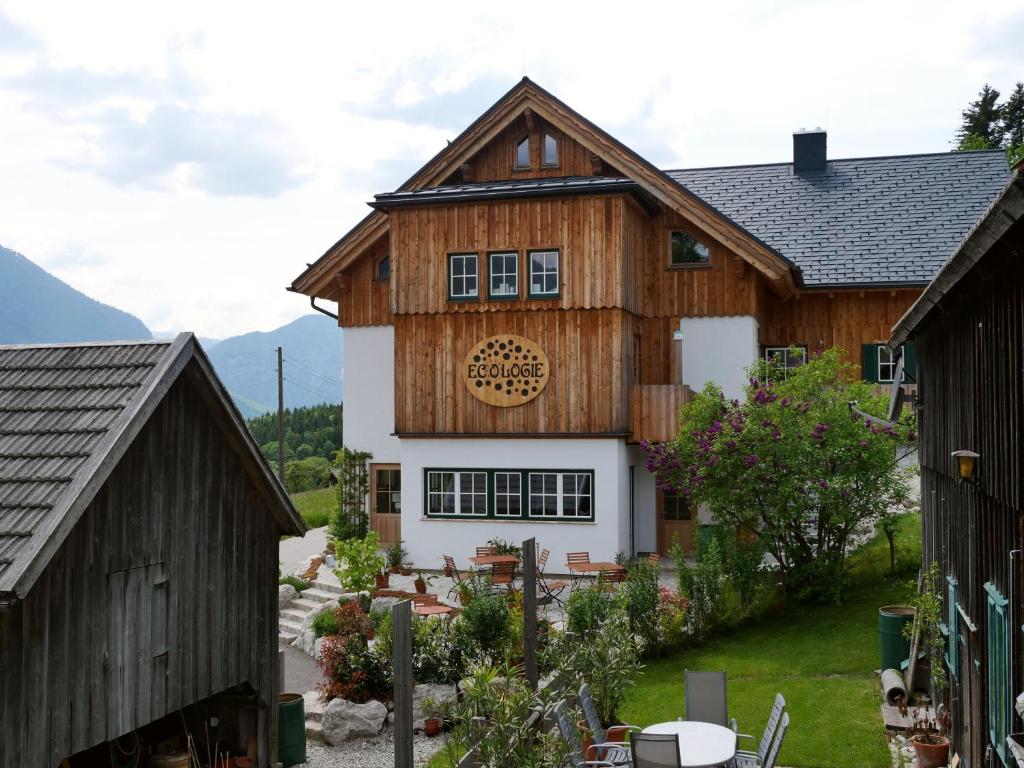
column 675, row 519
column 386, row 502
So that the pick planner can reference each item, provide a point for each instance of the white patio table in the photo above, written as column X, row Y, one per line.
column 701, row 745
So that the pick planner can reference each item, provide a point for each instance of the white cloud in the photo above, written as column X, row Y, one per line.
column 199, row 154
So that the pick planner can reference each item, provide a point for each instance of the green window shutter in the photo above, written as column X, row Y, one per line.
column 953, row 647
column 910, row 363
column 869, row 362
column 999, row 713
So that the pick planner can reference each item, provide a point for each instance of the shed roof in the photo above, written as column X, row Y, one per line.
column 865, row 221
column 67, row 414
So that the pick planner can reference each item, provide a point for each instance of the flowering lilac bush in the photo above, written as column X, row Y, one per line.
column 790, row 461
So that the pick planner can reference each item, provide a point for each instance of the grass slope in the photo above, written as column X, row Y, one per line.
column 316, row 506
column 821, row 658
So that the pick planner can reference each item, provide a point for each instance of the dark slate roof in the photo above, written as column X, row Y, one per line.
column 866, row 221
column 64, row 410
column 496, row 190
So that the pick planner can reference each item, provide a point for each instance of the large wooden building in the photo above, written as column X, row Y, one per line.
column 969, row 330
column 139, row 528
column 538, row 299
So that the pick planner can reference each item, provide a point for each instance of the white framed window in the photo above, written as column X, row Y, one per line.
column 576, row 494
column 441, row 493
column 503, row 275
column 550, row 151
column 543, row 494
column 543, row 273
column 473, row 493
column 786, row 357
column 508, row 494
column 462, row 276
column 887, row 364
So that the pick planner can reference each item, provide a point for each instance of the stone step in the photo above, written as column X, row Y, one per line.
column 313, row 706
column 314, row 731
column 319, row 595
column 292, row 627
column 286, row 637
column 326, row 586
column 302, row 604
column 291, row 614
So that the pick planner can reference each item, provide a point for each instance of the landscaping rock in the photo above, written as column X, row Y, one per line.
column 305, row 642
column 383, row 603
column 438, row 692
column 344, row 720
column 285, row 594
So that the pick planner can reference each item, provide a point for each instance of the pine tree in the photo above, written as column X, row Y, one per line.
column 1013, row 118
column 982, row 119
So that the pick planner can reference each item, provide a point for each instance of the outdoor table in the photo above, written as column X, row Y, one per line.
column 591, row 569
column 431, row 610
column 493, row 559
column 701, row 745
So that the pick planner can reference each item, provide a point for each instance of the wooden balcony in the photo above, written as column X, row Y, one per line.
column 654, row 411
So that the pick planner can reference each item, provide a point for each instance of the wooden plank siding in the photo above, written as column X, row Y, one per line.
column 163, row 594
column 971, row 389
column 654, row 411
column 362, row 298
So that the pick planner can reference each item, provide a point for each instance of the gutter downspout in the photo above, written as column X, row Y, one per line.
column 321, row 310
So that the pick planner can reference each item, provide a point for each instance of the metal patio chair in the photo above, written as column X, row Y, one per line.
column 550, row 589
column 598, row 731
column 571, row 737
column 749, row 759
column 706, row 698
column 780, row 736
column 655, row 750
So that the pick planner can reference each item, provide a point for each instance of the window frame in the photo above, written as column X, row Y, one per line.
column 770, row 349
column 392, row 494
column 377, row 278
column 476, row 261
column 524, row 514
column 705, row 264
column 676, row 498
column 509, row 495
column 544, row 136
column 878, row 362
column 490, row 272
column 1000, row 713
column 516, row 166
column 530, row 293
column 952, row 628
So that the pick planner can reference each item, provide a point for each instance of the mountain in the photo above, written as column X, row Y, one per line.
column 37, row 308
column 247, row 365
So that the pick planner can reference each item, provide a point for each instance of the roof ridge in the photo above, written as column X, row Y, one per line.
column 950, row 153
column 78, row 344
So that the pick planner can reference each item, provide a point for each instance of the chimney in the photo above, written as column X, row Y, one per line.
column 809, row 151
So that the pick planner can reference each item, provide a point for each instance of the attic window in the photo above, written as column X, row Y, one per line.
column 550, row 150
column 382, row 271
column 688, row 251
column 523, row 153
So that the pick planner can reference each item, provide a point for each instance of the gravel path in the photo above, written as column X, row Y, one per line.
column 370, row 753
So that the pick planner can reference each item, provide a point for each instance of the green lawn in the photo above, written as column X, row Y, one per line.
column 822, row 659
column 316, row 506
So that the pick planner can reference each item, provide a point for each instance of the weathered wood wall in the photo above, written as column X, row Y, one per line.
column 362, row 298
column 164, row 593
column 971, row 371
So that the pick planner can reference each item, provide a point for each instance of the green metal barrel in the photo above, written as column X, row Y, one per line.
column 894, row 646
column 291, row 729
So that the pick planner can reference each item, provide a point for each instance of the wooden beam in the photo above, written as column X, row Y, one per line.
column 401, row 643
column 528, row 116
column 530, row 611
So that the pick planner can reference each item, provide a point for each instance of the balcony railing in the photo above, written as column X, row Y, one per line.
column 654, row 411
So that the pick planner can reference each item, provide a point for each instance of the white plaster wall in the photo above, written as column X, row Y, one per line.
column 718, row 349
column 428, row 539
column 645, row 500
column 368, row 375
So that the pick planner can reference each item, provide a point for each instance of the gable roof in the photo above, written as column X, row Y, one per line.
column 510, row 189
column 865, row 222
column 68, row 413
column 528, row 95
column 1007, row 211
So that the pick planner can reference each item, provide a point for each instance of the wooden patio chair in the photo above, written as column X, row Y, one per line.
column 576, row 558
column 550, row 589
column 654, row 559
column 457, row 577
column 571, row 738
column 748, row 759
column 486, row 551
column 503, row 575
column 421, row 601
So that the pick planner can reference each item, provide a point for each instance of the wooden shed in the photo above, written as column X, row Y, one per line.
column 139, row 529
column 969, row 329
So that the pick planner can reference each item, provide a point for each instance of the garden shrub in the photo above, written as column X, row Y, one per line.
column 587, row 608
column 325, row 624
column 673, row 616
column 640, row 595
column 358, row 561
column 487, row 623
column 350, row 671
column 295, row 581
column 441, row 650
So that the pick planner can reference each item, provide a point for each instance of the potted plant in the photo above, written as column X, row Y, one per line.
column 381, row 579
column 447, row 571
column 396, row 555
column 420, row 583
column 432, row 719
column 465, row 592
column 931, row 745
column 406, row 569
column 329, row 559
column 359, row 563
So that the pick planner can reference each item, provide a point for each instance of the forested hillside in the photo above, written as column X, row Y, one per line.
column 312, row 435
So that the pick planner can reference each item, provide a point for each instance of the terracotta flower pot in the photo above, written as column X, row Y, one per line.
column 932, row 755
column 432, row 726
column 405, row 571
column 421, row 586
column 381, row 580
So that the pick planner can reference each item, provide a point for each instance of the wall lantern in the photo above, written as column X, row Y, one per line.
column 966, row 462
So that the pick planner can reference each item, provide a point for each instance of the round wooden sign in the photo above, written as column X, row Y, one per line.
column 506, row 370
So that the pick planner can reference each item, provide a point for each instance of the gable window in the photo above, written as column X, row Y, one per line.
column 503, row 275
column 523, row 153
column 550, row 150
column 462, row 276
column 688, row 251
column 999, row 696
column 543, row 273
column 787, row 358
column 383, row 269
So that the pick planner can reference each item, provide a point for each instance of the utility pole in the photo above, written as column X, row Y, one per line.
column 280, row 414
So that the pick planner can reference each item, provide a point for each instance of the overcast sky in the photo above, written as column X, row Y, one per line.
column 183, row 161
